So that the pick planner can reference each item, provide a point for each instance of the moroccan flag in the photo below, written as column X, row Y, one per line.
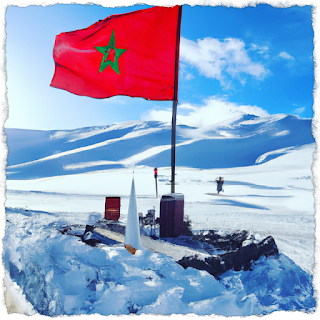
column 134, row 54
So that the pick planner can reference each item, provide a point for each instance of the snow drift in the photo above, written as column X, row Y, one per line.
column 61, row 275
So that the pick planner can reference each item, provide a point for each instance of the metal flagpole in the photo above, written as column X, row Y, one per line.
column 174, row 106
column 173, row 145
column 172, row 205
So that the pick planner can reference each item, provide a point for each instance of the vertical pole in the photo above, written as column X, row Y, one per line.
column 155, row 179
column 156, row 187
column 173, row 145
column 174, row 105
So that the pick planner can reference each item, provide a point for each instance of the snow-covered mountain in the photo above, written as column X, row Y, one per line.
column 241, row 141
column 268, row 191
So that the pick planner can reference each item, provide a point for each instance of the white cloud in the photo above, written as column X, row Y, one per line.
column 286, row 55
column 298, row 111
column 220, row 59
column 183, row 73
column 260, row 49
column 187, row 106
column 213, row 110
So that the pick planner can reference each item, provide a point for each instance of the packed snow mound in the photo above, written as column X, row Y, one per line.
column 234, row 143
column 61, row 275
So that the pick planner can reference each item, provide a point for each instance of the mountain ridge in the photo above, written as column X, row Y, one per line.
column 241, row 141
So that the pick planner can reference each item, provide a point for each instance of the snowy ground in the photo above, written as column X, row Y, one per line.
column 274, row 198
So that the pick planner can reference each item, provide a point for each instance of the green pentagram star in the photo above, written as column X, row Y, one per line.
column 108, row 52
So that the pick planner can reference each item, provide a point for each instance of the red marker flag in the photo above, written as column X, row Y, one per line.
column 132, row 54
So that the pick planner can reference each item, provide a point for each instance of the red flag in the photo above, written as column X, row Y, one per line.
column 130, row 54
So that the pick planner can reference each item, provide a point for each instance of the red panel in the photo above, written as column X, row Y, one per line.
column 112, row 208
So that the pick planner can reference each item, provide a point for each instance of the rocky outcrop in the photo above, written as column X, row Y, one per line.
column 241, row 259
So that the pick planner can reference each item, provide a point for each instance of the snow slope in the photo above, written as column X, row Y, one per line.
column 274, row 198
column 268, row 191
column 39, row 154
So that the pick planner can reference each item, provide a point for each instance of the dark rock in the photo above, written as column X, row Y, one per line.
column 111, row 225
column 227, row 242
column 89, row 228
column 187, row 229
column 240, row 259
column 92, row 238
column 73, row 230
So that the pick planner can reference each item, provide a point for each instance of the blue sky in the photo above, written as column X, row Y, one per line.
column 257, row 60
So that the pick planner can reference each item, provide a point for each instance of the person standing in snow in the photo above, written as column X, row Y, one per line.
column 219, row 184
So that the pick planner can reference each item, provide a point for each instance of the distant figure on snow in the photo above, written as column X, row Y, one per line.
column 219, row 184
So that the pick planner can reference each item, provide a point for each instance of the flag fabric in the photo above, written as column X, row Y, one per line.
column 132, row 54
column 132, row 234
